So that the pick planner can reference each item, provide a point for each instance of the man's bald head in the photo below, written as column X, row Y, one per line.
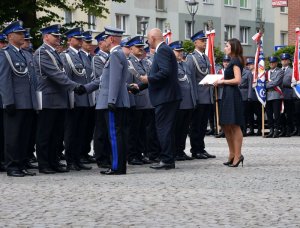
column 155, row 37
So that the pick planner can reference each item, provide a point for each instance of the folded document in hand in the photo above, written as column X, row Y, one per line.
column 210, row 79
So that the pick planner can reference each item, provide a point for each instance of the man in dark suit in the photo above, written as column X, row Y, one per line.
column 165, row 96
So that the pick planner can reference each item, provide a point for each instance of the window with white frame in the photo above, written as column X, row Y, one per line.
column 121, row 22
column 160, row 5
column 229, row 32
column 244, row 3
column 68, row 16
column 228, row 2
column 208, row 1
column 160, row 23
column 283, row 9
column 283, row 38
column 188, row 29
column 244, row 35
column 92, row 22
column 139, row 26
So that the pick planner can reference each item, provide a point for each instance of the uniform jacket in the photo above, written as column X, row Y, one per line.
column 84, row 100
column 251, row 92
column 244, row 84
column 113, row 86
column 187, row 84
column 98, row 63
column 52, row 79
column 205, row 93
column 162, row 81
column 274, row 79
column 16, row 86
column 287, row 90
column 142, row 99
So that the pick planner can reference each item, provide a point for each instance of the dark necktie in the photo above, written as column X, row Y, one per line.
column 203, row 56
column 90, row 57
column 22, row 54
column 141, row 63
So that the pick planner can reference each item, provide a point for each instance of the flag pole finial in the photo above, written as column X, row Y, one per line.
column 210, row 24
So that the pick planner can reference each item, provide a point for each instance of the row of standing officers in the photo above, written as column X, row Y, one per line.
column 130, row 122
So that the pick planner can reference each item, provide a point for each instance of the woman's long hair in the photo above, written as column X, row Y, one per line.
column 236, row 49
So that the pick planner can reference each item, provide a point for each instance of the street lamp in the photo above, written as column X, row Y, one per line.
column 144, row 24
column 192, row 7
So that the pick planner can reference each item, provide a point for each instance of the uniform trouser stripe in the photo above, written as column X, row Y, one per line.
column 113, row 138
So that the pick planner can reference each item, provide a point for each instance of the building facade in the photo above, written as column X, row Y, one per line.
column 231, row 18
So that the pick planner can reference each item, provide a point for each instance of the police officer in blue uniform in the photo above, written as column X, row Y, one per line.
column 19, row 100
column 143, row 114
column 199, row 65
column 274, row 80
column 184, row 114
column 85, row 53
column 54, row 87
column 3, row 43
column 244, row 92
column 101, row 141
column 289, row 97
column 114, row 100
column 76, row 117
column 254, row 106
column 28, row 52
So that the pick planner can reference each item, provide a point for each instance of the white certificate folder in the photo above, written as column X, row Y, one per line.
column 210, row 79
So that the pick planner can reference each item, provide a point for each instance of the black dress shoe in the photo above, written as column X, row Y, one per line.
column 163, row 165
column 112, row 172
column 83, row 166
column 103, row 165
column 27, row 173
column 154, row 160
column 220, row 135
column 15, row 173
column 210, row 132
column 146, row 160
column 188, row 157
column 135, row 161
column 31, row 166
column 33, row 160
column 199, row 156
column 60, row 164
column 59, row 169
column 47, row 171
column 73, row 167
column 208, row 155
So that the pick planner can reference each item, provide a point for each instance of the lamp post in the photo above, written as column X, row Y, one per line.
column 192, row 7
column 144, row 24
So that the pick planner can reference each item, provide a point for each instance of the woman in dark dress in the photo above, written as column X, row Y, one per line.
column 231, row 111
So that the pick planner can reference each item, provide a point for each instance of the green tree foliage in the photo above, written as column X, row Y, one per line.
column 26, row 10
column 287, row 49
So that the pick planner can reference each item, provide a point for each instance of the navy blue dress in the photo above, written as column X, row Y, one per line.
column 231, row 111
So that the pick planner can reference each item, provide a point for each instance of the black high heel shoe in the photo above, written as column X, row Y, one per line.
column 228, row 162
column 241, row 160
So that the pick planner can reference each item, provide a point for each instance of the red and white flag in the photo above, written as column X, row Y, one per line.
column 259, row 80
column 296, row 77
column 168, row 37
column 209, row 51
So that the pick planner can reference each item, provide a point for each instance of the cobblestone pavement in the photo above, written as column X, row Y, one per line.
column 198, row 193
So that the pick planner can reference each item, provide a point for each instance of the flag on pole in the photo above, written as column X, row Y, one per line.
column 168, row 37
column 209, row 51
column 259, row 77
column 295, row 77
